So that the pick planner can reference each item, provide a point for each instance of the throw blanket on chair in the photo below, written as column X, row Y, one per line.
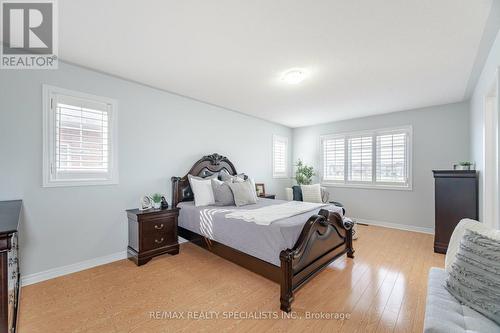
column 269, row 214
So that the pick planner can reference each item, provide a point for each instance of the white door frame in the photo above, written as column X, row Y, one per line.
column 491, row 147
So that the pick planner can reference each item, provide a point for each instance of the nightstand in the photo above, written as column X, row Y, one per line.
column 151, row 233
column 268, row 196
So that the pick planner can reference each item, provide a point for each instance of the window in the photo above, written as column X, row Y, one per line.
column 79, row 139
column 380, row 158
column 333, row 159
column 280, row 156
column 359, row 158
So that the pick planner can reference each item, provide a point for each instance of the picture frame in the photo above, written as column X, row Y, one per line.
column 260, row 189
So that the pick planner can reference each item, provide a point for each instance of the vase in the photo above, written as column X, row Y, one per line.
column 156, row 205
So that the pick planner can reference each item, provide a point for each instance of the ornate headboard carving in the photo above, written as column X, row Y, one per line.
column 206, row 166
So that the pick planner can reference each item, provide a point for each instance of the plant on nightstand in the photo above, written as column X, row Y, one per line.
column 156, row 200
column 304, row 173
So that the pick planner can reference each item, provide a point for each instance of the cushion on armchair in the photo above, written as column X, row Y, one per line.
column 295, row 193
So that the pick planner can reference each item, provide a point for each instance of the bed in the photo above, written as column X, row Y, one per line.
column 289, row 251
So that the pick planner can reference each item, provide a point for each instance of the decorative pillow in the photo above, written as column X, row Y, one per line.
column 297, row 193
column 311, row 193
column 222, row 193
column 225, row 177
column 202, row 191
column 458, row 233
column 474, row 277
column 244, row 193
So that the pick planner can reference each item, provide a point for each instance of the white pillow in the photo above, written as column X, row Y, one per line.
column 202, row 191
column 252, row 182
column 311, row 193
column 458, row 233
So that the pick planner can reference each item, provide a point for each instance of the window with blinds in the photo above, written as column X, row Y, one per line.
column 333, row 159
column 280, row 156
column 80, row 135
column 360, row 159
column 392, row 158
column 378, row 158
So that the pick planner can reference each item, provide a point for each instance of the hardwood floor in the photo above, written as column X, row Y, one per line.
column 383, row 290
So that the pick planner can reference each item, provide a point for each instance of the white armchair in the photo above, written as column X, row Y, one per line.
column 325, row 195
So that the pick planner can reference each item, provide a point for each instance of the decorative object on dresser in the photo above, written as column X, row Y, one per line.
column 156, row 200
column 260, row 188
column 151, row 233
column 456, row 198
column 9, row 264
column 146, row 203
column 324, row 238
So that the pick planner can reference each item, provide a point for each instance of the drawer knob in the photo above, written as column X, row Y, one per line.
column 159, row 241
column 158, row 227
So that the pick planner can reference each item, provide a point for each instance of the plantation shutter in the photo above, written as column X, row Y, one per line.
column 333, row 159
column 82, row 138
column 280, row 156
column 392, row 158
column 360, row 165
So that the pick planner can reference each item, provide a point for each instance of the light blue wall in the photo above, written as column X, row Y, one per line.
column 160, row 135
column 440, row 138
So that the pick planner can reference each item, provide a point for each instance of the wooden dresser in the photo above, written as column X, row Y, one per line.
column 9, row 265
column 151, row 233
column 456, row 198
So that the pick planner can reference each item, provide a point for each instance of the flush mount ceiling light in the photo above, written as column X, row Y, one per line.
column 294, row 76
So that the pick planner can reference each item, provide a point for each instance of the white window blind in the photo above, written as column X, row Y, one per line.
column 280, row 156
column 333, row 159
column 377, row 158
column 79, row 139
column 82, row 136
column 360, row 159
column 392, row 158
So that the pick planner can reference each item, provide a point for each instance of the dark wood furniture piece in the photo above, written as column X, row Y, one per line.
column 151, row 233
column 456, row 198
column 268, row 196
column 323, row 238
column 9, row 264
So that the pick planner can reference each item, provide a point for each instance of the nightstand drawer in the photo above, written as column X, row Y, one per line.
column 158, row 233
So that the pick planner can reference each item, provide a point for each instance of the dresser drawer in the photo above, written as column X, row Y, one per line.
column 158, row 233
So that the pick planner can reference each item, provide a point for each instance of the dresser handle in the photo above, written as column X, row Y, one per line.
column 158, row 227
column 159, row 241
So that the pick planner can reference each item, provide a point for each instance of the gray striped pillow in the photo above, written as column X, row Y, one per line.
column 474, row 278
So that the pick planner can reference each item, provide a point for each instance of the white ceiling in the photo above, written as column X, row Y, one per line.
column 364, row 57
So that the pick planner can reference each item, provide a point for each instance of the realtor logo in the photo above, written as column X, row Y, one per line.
column 29, row 38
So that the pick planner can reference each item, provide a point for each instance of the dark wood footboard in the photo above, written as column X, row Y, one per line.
column 323, row 239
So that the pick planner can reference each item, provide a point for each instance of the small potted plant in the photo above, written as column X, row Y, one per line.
column 464, row 165
column 156, row 200
column 304, row 173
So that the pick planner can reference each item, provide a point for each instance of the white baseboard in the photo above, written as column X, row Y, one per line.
column 73, row 268
column 406, row 227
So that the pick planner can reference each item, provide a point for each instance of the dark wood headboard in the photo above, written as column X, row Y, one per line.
column 206, row 166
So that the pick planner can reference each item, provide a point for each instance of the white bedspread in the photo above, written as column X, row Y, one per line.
column 269, row 214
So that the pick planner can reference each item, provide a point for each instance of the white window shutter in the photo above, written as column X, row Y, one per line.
column 360, row 158
column 333, row 159
column 79, row 139
column 280, row 156
column 392, row 158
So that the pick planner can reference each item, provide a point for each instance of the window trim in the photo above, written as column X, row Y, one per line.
column 286, row 174
column 373, row 184
column 48, row 153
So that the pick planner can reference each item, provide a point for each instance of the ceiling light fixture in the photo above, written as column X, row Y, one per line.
column 294, row 76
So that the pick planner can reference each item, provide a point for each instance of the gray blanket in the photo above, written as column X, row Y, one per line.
column 262, row 241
